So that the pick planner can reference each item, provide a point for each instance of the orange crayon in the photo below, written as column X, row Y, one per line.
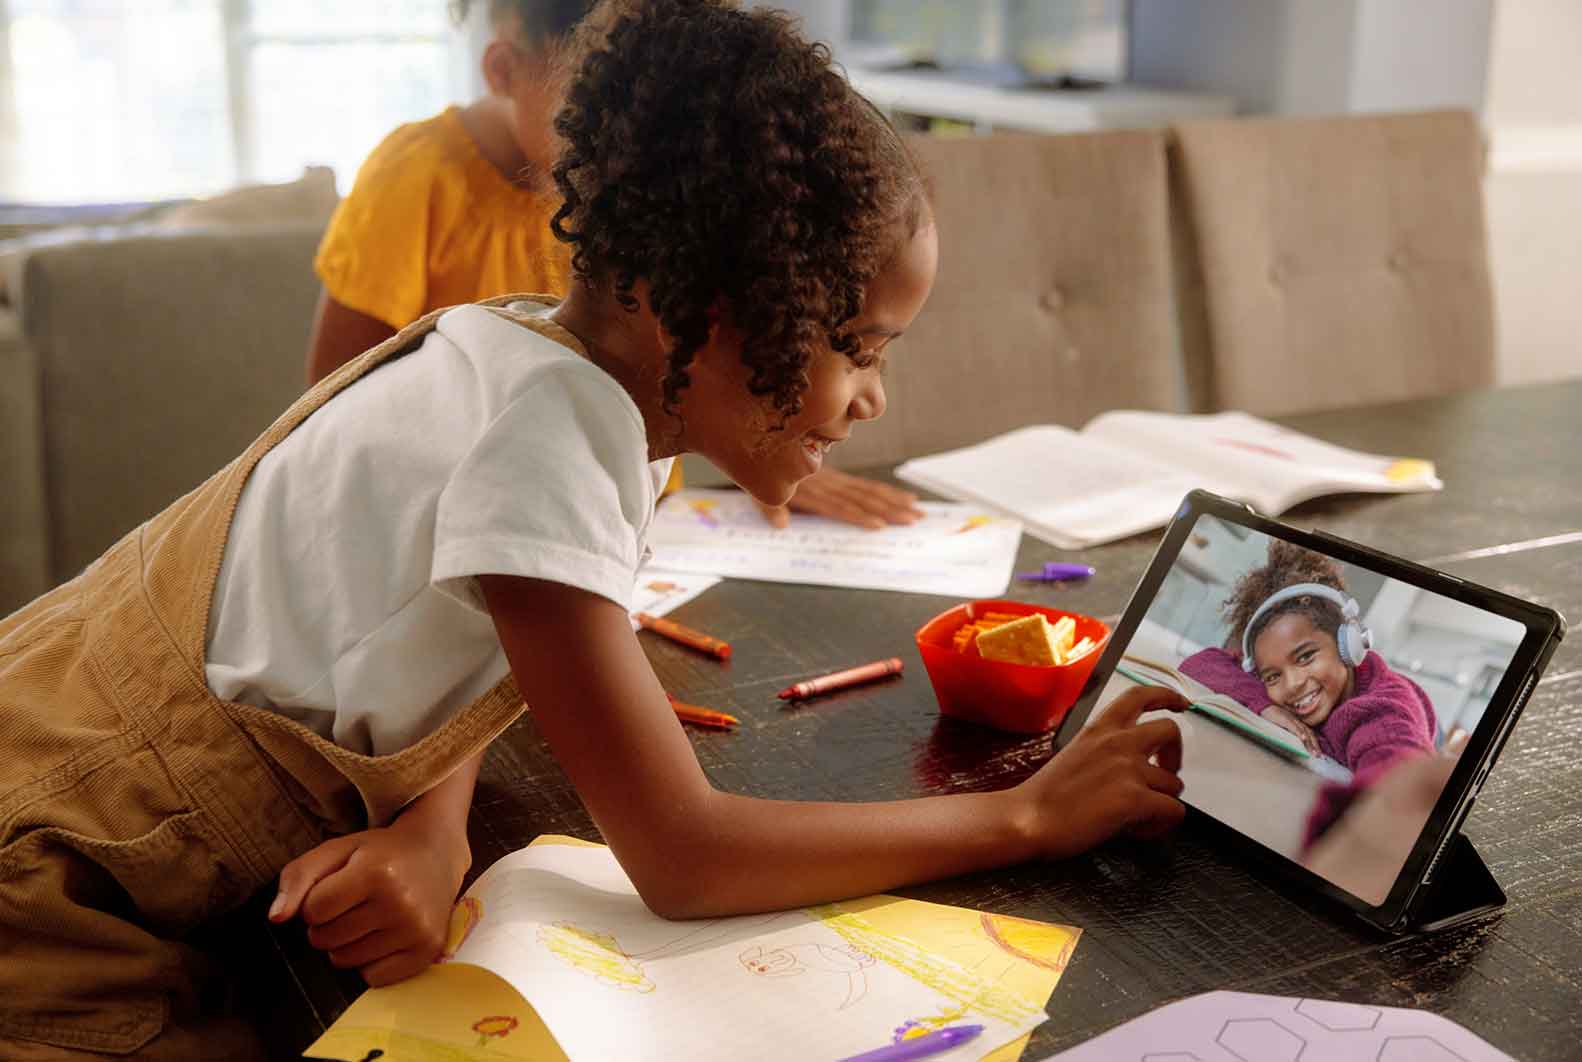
column 839, row 680
column 691, row 713
column 688, row 637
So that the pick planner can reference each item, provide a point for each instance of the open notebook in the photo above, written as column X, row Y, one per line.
column 1126, row 472
column 553, row 956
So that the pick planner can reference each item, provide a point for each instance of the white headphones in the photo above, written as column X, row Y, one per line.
column 1352, row 639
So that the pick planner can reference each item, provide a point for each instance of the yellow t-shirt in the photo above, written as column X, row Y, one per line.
column 430, row 222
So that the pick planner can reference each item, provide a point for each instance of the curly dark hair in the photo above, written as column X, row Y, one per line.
column 1288, row 565
column 715, row 154
column 539, row 22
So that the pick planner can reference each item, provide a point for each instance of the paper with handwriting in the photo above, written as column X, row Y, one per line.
column 954, row 550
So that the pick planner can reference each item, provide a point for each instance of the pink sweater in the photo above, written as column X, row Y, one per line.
column 1387, row 716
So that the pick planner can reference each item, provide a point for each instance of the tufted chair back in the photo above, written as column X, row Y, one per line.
column 1343, row 260
column 1054, row 298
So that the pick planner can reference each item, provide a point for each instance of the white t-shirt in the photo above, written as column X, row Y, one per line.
column 347, row 599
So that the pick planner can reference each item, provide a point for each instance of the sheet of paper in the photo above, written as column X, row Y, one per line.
column 955, row 550
column 971, row 966
column 658, row 592
column 1226, row 1026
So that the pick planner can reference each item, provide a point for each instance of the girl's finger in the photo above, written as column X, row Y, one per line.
column 885, row 507
column 298, row 877
column 1124, row 710
column 837, row 508
column 333, row 896
column 397, row 967
column 1158, row 740
column 349, row 927
column 368, row 949
column 1163, row 781
column 1159, row 815
column 1168, row 757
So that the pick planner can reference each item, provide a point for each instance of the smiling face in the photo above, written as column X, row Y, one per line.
column 1301, row 668
column 742, row 433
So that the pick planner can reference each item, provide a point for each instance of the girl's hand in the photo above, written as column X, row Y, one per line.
column 1282, row 718
column 379, row 900
column 839, row 496
column 1118, row 776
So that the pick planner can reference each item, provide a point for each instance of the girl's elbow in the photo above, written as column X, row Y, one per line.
column 677, row 896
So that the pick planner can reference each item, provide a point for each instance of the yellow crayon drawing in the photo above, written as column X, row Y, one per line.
column 972, row 523
column 1042, row 944
column 464, row 917
column 596, row 954
column 949, row 979
column 935, row 1022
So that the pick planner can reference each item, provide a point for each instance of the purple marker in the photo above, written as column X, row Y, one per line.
column 1056, row 572
column 919, row 1046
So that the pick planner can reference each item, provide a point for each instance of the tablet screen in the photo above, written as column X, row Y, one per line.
column 1329, row 701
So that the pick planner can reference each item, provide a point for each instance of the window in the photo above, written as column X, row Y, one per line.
column 1033, row 40
column 136, row 100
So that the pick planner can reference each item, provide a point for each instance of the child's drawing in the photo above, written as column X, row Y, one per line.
column 1044, row 945
column 596, row 954
column 496, row 1025
column 956, row 983
column 466, row 915
column 794, row 959
column 911, row 1030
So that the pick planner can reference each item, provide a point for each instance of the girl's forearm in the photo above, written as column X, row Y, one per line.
column 742, row 854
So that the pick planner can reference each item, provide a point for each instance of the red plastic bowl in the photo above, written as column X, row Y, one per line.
column 1019, row 697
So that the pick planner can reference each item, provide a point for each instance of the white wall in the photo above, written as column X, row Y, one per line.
column 1273, row 56
column 1317, row 56
column 1533, row 113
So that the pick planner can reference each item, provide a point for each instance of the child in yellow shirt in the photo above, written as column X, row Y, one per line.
column 456, row 208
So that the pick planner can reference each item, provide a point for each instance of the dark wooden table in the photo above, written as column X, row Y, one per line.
column 1160, row 921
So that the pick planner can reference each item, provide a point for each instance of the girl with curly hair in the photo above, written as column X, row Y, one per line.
column 291, row 674
column 1303, row 671
column 457, row 208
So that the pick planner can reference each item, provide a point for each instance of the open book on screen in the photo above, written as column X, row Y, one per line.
column 1126, row 472
column 1229, row 712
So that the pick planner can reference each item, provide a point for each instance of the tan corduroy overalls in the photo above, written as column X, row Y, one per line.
column 135, row 805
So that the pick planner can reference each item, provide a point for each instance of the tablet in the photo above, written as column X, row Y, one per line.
column 1346, row 705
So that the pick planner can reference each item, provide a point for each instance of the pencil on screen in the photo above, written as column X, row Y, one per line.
column 692, row 713
column 688, row 637
column 839, row 680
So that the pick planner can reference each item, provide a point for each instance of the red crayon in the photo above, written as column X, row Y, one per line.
column 703, row 643
column 839, row 680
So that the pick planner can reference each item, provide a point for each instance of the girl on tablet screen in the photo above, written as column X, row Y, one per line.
column 1298, row 655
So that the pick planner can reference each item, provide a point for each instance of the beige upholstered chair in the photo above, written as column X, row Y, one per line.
column 145, row 364
column 1343, row 260
column 1053, row 300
